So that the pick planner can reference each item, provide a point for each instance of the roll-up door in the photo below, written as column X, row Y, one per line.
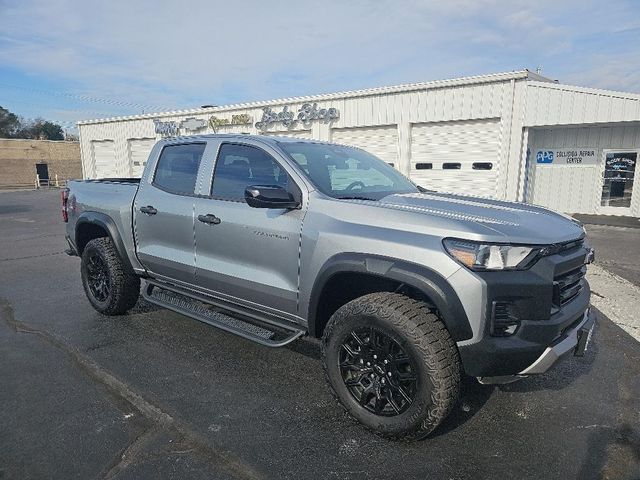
column 139, row 149
column 379, row 141
column 294, row 134
column 104, row 158
column 458, row 157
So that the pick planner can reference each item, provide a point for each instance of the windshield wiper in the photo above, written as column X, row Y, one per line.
column 356, row 197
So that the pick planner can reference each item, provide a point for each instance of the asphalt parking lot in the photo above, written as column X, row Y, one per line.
column 156, row 395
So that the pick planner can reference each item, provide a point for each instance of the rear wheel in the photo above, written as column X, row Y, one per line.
column 392, row 364
column 111, row 289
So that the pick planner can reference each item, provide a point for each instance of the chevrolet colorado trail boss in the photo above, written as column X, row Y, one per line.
column 273, row 238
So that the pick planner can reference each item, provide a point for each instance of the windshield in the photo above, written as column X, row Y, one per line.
column 346, row 172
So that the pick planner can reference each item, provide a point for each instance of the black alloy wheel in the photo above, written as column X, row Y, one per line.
column 112, row 288
column 98, row 277
column 392, row 364
column 378, row 372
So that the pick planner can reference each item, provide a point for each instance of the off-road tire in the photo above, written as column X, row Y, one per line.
column 424, row 338
column 124, row 285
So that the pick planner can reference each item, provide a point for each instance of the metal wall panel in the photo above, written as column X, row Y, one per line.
column 556, row 104
column 118, row 134
column 379, row 120
column 465, row 143
column 577, row 188
column 294, row 134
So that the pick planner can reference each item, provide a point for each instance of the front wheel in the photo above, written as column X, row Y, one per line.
column 109, row 286
column 392, row 364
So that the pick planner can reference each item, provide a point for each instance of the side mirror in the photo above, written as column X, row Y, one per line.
column 269, row 196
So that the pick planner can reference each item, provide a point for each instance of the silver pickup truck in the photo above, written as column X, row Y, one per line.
column 274, row 238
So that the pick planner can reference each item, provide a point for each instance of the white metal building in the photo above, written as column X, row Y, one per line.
column 515, row 136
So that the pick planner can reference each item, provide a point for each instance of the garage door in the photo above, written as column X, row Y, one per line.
column 139, row 149
column 294, row 134
column 459, row 157
column 104, row 159
column 380, row 141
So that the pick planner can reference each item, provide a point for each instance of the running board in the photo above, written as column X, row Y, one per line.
column 199, row 309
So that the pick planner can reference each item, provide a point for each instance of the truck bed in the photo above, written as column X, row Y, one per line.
column 111, row 180
column 112, row 197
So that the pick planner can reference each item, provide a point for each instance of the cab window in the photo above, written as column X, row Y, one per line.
column 177, row 168
column 240, row 166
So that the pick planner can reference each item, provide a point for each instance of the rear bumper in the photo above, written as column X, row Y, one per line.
column 573, row 341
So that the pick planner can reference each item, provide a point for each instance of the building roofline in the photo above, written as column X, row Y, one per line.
column 587, row 90
column 409, row 87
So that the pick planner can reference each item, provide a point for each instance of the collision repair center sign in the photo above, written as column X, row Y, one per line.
column 567, row 156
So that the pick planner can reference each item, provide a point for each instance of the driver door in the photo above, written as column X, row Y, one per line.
column 248, row 255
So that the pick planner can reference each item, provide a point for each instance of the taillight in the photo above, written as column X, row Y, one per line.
column 64, row 195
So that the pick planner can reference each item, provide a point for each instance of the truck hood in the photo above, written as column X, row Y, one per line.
column 501, row 221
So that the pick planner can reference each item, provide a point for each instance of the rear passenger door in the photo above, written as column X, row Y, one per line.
column 163, row 213
column 251, row 255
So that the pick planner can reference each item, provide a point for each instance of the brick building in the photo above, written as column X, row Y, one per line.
column 21, row 160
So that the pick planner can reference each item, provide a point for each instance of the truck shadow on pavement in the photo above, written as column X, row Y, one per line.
column 612, row 453
column 472, row 398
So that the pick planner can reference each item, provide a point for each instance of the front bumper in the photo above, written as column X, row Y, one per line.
column 574, row 340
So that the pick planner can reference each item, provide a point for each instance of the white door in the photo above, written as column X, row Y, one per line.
column 293, row 133
column 104, row 159
column 139, row 149
column 379, row 141
column 619, row 171
column 457, row 157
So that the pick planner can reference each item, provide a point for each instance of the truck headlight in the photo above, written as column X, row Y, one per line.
column 492, row 256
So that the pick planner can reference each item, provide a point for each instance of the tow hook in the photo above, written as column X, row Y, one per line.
column 591, row 256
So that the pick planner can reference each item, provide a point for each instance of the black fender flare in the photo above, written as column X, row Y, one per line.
column 422, row 278
column 105, row 222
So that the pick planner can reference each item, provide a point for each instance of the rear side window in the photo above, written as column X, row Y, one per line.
column 240, row 166
column 177, row 168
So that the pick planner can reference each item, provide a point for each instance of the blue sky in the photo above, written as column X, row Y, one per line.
column 68, row 60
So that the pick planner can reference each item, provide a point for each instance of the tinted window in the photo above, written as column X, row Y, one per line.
column 345, row 172
column 451, row 166
column 177, row 168
column 240, row 166
column 482, row 165
column 424, row 166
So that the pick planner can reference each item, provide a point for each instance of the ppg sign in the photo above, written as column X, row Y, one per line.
column 544, row 156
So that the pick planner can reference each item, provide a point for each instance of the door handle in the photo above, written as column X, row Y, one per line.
column 210, row 218
column 149, row 210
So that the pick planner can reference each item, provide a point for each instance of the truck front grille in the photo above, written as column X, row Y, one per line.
column 567, row 286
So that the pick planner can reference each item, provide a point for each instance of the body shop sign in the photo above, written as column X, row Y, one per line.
column 308, row 113
column 567, row 156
